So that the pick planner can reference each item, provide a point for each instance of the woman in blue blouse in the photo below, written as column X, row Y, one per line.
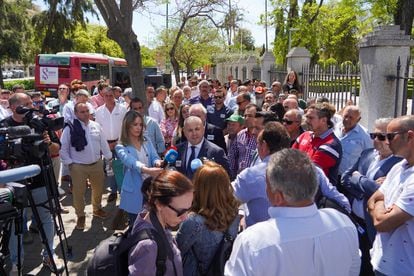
column 140, row 161
column 214, row 210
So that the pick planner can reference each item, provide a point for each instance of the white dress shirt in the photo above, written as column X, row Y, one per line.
column 156, row 111
column 92, row 151
column 197, row 150
column 111, row 122
column 297, row 241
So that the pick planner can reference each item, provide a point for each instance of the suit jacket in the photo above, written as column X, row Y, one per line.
column 208, row 150
column 215, row 134
column 361, row 187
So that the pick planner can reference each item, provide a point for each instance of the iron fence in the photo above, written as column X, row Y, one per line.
column 277, row 74
column 339, row 84
column 256, row 72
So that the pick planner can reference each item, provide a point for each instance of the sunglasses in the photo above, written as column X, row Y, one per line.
column 62, row 88
column 169, row 108
column 218, row 97
column 391, row 135
column 380, row 136
column 179, row 212
column 287, row 122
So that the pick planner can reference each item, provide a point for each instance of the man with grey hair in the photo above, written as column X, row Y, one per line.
column 354, row 138
column 298, row 239
column 204, row 96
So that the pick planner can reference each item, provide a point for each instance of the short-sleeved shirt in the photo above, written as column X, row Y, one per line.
column 393, row 252
column 218, row 117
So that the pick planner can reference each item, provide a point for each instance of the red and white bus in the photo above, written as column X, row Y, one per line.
column 63, row 67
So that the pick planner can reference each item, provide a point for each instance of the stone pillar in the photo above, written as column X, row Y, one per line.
column 378, row 55
column 240, row 64
column 267, row 61
column 250, row 63
column 297, row 58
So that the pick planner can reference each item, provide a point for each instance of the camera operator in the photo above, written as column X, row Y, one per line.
column 37, row 187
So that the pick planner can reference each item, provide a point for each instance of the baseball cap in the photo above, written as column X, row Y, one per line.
column 235, row 118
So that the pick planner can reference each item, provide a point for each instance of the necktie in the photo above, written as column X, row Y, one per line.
column 192, row 157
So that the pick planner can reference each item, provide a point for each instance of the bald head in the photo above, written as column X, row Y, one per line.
column 351, row 117
column 194, row 130
column 289, row 104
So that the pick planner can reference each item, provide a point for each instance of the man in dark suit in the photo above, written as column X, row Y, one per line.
column 363, row 179
column 197, row 146
column 211, row 132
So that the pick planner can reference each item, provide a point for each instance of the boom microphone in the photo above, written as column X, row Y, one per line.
column 19, row 173
column 16, row 131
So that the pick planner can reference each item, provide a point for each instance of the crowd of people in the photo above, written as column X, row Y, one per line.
column 304, row 189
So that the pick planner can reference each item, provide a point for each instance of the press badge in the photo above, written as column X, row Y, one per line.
column 222, row 116
column 178, row 163
column 210, row 137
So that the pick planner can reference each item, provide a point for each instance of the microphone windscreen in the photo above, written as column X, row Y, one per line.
column 22, row 110
column 195, row 164
column 19, row 131
column 171, row 156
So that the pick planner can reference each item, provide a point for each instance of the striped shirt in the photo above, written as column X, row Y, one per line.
column 241, row 152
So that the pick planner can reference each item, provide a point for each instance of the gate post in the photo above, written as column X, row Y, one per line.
column 378, row 55
column 266, row 62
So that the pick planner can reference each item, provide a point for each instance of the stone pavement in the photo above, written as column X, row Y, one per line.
column 82, row 243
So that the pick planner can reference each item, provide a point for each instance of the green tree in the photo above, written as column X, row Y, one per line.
column 56, row 24
column 14, row 31
column 244, row 40
column 93, row 39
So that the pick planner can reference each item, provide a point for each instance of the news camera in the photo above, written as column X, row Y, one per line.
column 19, row 143
column 41, row 120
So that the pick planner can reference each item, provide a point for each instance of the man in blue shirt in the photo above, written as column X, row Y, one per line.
column 354, row 138
column 250, row 184
column 218, row 113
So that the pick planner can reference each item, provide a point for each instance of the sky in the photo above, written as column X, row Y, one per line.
column 147, row 25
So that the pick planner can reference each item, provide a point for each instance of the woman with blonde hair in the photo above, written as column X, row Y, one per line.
column 214, row 212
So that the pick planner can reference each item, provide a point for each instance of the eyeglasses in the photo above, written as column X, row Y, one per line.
column 391, row 135
column 380, row 136
column 169, row 108
column 62, row 88
column 179, row 212
column 285, row 121
column 219, row 97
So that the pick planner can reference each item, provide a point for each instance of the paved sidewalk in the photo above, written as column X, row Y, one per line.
column 82, row 243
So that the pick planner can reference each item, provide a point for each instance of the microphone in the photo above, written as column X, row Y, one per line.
column 170, row 157
column 195, row 164
column 19, row 173
column 16, row 131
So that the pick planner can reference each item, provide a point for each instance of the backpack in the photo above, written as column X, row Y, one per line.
column 223, row 252
column 111, row 255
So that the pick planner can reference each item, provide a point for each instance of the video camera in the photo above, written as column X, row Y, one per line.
column 42, row 121
column 19, row 143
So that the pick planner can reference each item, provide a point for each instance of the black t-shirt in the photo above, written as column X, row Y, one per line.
column 38, row 180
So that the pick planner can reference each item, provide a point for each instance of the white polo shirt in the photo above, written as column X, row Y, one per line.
column 393, row 252
column 111, row 122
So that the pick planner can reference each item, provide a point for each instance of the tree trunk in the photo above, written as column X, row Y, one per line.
column 132, row 50
column 1, row 78
column 404, row 15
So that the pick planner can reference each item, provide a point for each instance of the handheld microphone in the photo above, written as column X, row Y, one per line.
column 19, row 173
column 170, row 157
column 16, row 131
column 195, row 164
